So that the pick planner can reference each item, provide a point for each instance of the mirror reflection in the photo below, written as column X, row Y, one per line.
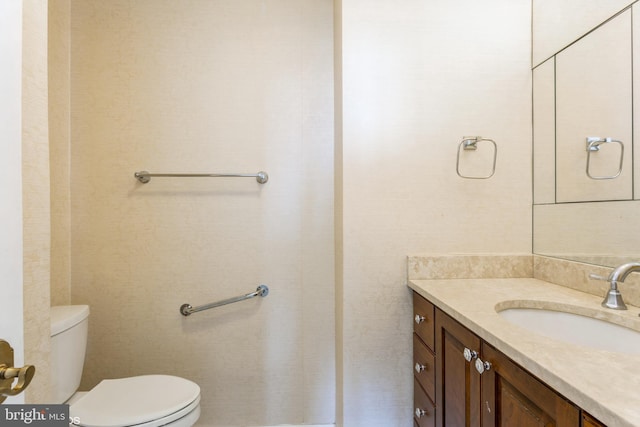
column 577, row 215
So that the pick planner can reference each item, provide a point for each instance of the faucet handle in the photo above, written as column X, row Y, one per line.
column 613, row 299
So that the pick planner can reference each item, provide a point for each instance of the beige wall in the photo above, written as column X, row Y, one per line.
column 35, row 197
column 223, row 86
column 416, row 77
column 201, row 86
column 59, row 150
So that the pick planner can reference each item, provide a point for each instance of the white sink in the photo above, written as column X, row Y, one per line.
column 561, row 324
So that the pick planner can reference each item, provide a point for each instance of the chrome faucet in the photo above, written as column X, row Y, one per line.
column 613, row 298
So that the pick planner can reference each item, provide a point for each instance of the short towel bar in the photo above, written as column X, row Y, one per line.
column 187, row 309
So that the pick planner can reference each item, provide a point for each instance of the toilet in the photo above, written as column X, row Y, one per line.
column 143, row 401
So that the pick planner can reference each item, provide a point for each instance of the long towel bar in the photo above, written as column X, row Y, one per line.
column 187, row 309
column 144, row 176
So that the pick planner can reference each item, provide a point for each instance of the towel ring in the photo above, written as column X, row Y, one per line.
column 470, row 143
column 593, row 145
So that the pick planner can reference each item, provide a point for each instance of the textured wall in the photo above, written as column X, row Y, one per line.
column 416, row 77
column 35, row 197
column 59, row 150
column 204, row 86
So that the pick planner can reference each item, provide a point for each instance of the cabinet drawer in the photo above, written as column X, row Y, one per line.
column 423, row 320
column 424, row 364
column 422, row 403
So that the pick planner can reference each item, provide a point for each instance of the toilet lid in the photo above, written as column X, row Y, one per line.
column 135, row 400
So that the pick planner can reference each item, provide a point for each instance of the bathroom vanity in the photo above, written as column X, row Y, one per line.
column 474, row 367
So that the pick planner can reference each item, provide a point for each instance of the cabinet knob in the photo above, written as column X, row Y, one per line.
column 469, row 354
column 419, row 319
column 420, row 367
column 421, row 412
column 482, row 366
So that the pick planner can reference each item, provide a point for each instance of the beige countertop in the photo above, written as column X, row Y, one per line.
column 605, row 384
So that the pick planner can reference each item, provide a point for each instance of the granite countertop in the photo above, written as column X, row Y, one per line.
column 605, row 384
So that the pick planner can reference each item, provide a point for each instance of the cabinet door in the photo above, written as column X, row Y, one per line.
column 457, row 381
column 589, row 421
column 593, row 99
column 513, row 397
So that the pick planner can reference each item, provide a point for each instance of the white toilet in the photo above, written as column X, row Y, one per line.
column 143, row 401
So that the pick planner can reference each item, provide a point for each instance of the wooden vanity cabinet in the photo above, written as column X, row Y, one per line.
column 423, row 362
column 504, row 394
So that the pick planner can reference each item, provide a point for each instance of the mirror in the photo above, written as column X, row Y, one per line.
column 576, row 217
column 603, row 233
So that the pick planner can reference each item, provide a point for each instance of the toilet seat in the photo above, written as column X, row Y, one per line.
column 148, row 400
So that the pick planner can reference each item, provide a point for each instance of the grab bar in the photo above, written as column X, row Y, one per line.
column 187, row 309
column 144, row 176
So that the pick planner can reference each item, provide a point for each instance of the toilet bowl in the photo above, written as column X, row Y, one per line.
column 149, row 401
column 143, row 401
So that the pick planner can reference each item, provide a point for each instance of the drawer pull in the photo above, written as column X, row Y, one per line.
column 420, row 367
column 421, row 412
column 469, row 354
column 419, row 319
column 482, row 366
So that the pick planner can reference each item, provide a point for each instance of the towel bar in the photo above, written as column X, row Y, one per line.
column 144, row 176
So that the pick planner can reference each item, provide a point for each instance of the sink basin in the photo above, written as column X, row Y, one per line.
column 560, row 323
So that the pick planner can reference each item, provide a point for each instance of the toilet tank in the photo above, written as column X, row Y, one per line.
column 69, row 327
